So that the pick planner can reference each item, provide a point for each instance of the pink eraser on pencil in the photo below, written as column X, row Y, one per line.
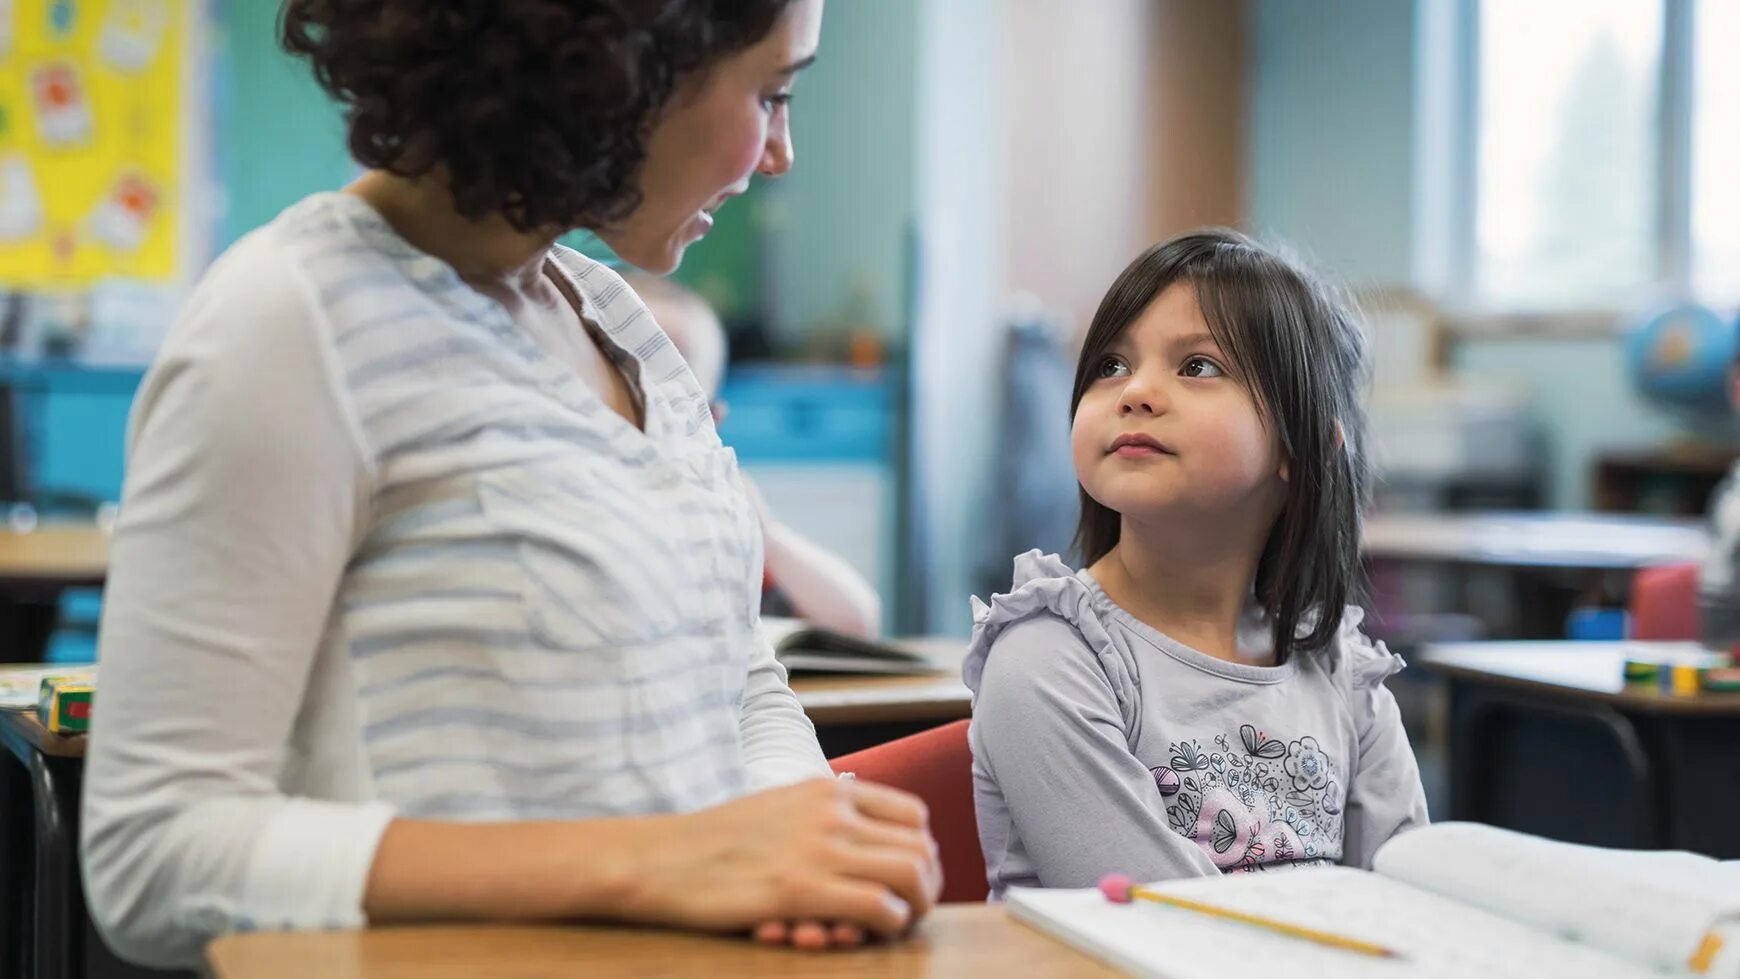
column 1117, row 888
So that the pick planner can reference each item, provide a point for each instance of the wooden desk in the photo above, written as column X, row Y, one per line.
column 43, row 789
column 853, row 712
column 25, row 725
column 1546, row 738
column 54, row 556
column 957, row 940
column 875, row 699
column 35, row 568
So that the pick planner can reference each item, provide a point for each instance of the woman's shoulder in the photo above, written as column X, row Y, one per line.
column 327, row 253
column 259, row 294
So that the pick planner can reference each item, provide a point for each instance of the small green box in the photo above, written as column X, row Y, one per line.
column 64, row 706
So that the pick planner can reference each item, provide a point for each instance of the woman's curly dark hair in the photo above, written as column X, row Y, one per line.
column 538, row 109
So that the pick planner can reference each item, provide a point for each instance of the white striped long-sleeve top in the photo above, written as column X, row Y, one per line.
column 382, row 553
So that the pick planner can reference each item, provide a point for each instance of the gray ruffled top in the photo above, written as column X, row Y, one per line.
column 1100, row 744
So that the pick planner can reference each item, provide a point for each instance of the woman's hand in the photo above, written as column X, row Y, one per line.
column 853, row 854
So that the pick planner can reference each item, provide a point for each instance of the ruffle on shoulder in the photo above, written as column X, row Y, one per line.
column 1368, row 662
column 1043, row 584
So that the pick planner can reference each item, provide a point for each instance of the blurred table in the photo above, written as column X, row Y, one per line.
column 1585, row 541
column 36, row 567
column 1543, row 564
column 1547, row 738
column 851, row 712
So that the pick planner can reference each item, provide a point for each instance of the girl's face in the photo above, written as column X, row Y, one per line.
column 1165, row 428
column 723, row 125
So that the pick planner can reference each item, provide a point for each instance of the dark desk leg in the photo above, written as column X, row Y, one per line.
column 1700, row 762
column 16, row 825
column 55, row 865
column 1473, row 709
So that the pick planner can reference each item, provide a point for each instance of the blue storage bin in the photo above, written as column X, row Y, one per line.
column 780, row 413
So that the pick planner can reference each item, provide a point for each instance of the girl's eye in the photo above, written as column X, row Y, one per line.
column 1201, row 367
column 778, row 100
column 1112, row 367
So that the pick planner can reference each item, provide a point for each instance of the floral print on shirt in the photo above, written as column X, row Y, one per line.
column 1256, row 801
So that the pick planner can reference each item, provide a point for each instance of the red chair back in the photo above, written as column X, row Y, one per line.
column 936, row 766
column 1664, row 602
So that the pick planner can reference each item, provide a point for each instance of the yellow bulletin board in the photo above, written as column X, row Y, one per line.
column 93, row 139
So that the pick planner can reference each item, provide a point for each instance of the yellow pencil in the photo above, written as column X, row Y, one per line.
column 1121, row 890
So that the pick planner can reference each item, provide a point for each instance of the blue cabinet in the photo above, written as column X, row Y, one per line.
column 819, row 444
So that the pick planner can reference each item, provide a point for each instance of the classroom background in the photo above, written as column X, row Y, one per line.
column 1535, row 202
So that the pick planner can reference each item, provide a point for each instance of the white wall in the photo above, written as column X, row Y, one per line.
column 956, row 343
column 1034, row 166
column 1077, row 97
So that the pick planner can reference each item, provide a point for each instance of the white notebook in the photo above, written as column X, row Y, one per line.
column 1455, row 899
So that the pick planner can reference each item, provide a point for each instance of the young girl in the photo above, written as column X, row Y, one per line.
column 1197, row 700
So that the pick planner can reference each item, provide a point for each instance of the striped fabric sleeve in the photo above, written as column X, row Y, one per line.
column 779, row 742
column 245, row 485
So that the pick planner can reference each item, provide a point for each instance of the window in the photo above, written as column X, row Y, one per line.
column 1601, row 153
column 1568, row 94
column 1715, row 197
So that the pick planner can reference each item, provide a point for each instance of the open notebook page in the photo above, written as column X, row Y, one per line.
column 1438, row 938
column 1653, row 907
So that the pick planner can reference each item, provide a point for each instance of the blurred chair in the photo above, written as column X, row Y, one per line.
column 936, row 766
column 1664, row 602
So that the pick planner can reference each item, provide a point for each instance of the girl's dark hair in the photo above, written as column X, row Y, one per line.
column 538, row 109
column 1296, row 347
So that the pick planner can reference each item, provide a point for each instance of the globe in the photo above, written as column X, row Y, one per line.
column 1678, row 357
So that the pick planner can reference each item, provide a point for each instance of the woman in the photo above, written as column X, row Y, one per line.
column 433, row 593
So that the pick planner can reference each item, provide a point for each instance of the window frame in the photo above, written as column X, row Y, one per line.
column 1449, row 195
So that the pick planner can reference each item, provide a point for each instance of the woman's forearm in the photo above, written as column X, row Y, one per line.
column 427, row 870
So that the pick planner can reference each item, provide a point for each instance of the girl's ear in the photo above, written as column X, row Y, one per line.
column 1340, row 443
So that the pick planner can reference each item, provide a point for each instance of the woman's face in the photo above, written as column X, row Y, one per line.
column 722, row 125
